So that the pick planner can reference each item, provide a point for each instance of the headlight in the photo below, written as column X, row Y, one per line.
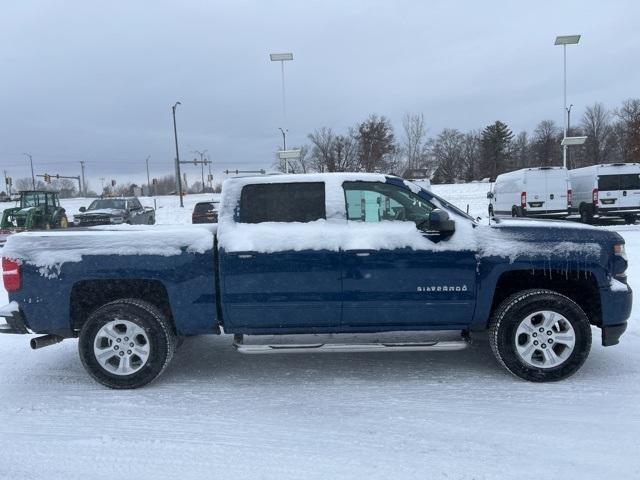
column 117, row 219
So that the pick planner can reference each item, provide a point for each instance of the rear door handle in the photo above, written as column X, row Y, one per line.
column 360, row 253
column 243, row 254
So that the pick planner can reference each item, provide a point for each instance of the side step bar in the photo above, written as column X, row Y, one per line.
column 439, row 346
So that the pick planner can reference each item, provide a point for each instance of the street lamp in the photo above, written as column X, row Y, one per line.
column 565, row 40
column 282, row 57
column 175, row 135
column 33, row 177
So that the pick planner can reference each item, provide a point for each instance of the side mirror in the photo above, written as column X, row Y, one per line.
column 439, row 221
column 83, row 209
column 489, row 195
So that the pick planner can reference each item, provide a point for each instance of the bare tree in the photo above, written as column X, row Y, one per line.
column 448, row 151
column 546, row 144
column 414, row 146
column 629, row 129
column 597, row 127
column 376, row 143
column 332, row 153
column 521, row 151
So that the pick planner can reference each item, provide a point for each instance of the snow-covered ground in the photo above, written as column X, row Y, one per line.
column 217, row 414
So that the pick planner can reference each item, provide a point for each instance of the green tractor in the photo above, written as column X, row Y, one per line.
column 38, row 210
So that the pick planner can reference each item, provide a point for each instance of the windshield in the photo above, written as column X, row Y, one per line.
column 108, row 203
column 32, row 199
column 444, row 203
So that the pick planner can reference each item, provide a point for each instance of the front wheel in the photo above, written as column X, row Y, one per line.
column 126, row 343
column 540, row 335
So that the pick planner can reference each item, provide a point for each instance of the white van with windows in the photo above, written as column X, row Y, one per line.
column 607, row 190
column 531, row 192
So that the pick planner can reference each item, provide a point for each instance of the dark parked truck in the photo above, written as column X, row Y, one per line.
column 321, row 263
column 115, row 211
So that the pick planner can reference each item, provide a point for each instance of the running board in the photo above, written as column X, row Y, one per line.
column 439, row 346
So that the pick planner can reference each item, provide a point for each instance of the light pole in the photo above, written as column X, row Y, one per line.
column 282, row 57
column 33, row 177
column 565, row 40
column 148, row 180
column 84, row 185
column 175, row 136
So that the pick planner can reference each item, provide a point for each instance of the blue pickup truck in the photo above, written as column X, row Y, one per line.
column 321, row 263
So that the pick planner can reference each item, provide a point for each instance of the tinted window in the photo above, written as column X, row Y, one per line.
column 203, row 208
column 282, row 202
column 630, row 182
column 376, row 201
column 608, row 182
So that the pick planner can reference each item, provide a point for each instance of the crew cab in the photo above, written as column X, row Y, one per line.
column 108, row 211
column 321, row 263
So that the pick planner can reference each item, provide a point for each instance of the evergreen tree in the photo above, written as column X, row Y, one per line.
column 495, row 150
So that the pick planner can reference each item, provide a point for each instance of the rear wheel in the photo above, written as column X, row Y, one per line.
column 586, row 214
column 126, row 343
column 540, row 335
column 630, row 219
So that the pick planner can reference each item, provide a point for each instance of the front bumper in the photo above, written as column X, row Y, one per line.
column 12, row 320
column 616, row 310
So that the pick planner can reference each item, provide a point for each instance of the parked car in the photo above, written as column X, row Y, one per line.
column 205, row 212
column 532, row 192
column 109, row 211
column 608, row 190
column 294, row 254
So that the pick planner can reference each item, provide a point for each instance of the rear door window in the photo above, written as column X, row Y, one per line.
column 630, row 181
column 608, row 182
column 282, row 202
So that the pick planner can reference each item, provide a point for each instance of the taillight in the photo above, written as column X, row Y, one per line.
column 523, row 199
column 569, row 197
column 11, row 274
column 595, row 196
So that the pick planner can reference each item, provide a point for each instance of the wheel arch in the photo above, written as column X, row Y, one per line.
column 580, row 286
column 88, row 295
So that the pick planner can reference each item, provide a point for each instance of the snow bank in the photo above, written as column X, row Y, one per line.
column 49, row 250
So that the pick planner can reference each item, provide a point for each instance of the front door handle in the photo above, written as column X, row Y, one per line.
column 243, row 254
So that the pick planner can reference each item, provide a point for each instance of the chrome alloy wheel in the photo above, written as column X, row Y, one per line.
column 121, row 347
column 545, row 339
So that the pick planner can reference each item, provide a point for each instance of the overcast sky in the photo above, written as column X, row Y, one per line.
column 95, row 81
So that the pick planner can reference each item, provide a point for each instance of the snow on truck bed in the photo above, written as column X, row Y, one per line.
column 53, row 248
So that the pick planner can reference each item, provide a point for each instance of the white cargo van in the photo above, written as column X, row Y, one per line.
column 608, row 190
column 531, row 192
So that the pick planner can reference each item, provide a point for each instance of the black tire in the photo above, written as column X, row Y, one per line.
column 586, row 215
column 151, row 221
column 507, row 317
column 630, row 219
column 162, row 341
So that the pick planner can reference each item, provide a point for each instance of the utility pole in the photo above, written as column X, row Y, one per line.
column 202, row 163
column 102, row 185
column 284, row 147
column 148, row 181
column 6, row 184
column 83, row 192
column 565, row 40
column 175, row 136
column 33, row 177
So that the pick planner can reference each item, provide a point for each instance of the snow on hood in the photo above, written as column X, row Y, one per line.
column 102, row 211
column 49, row 250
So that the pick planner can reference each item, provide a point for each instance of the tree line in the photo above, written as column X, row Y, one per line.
column 455, row 156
